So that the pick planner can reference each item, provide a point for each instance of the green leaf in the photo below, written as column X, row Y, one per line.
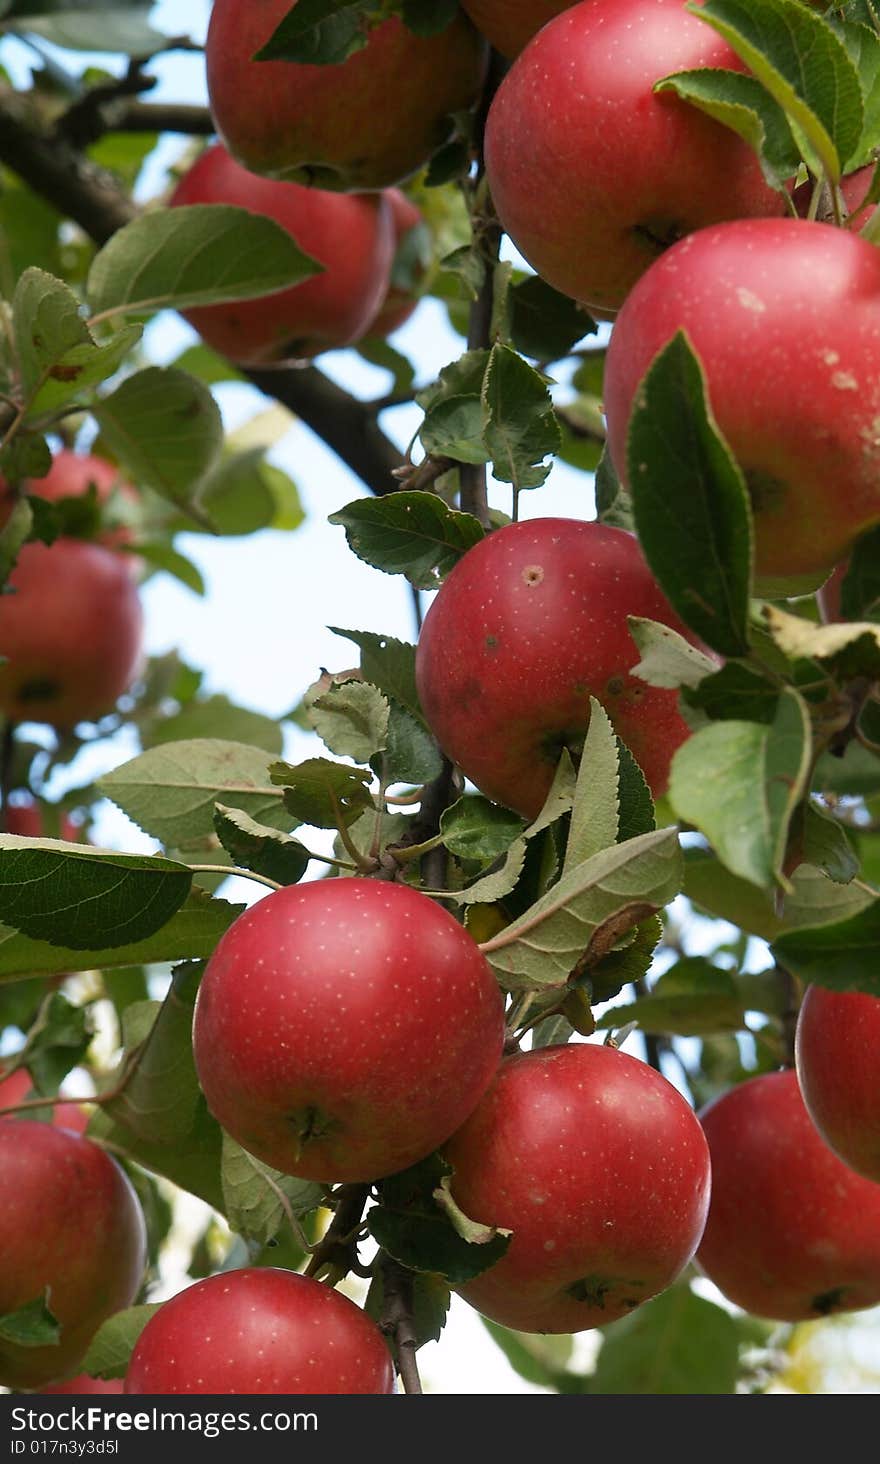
column 256, row 1197
column 520, row 429
column 473, row 828
column 430, row 1304
column 409, row 533
column 112, row 1345
column 595, row 809
column 30, row 230
column 319, row 32
column 848, row 650
column 13, row 534
column 47, row 324
column 543, row 323
column 613, row 503
column 170, row 790
column 192, row 933
column 863, row 48
column 499, row 882
column 860, row 591
column 351, row 718
column 676, row 1344
column 627, row 963
column 454, row 415
column 690, row 502
column 72, row 894
column 264, row 850
column 218, row 718
column 410, row 754
column 803, row 65
column 389, row 664
column 31, row 1325
column 742, row 103
column 739, row 783
column 545, row 944
column 410, row 1225
column 162, row 556
column 815, row 900
column 166, row 428
column 536, row 1358
column 160, row 1118
column 693, row 998
column 636, row 806
column 428, row 17
column 56, row 1043
column 112, row 27
column 198, row 254
column 736, row 692
column 826, row 845
column 844, row 956
column 668, row 660
column 199, row 360
column 321, row 793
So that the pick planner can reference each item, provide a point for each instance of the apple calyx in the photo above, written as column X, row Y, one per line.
column 308, row 1124
column 595, row 1290
column 472, row 1231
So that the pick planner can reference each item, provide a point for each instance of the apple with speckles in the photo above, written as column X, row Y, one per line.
column 792, row 1233
column 592, row 173
column 351, row 236
column 530, row 623
column 260, row 1330
column 71, row 1223
column 599, row 1167
column 345, row 1028
column 367, row 122
column 784, row 316
column 837, row 1051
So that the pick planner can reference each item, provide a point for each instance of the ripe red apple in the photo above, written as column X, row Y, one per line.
column 592, row 174
column 69, row 1221
column 785, row 318
column 530, row 623
column 411, row 259
column 71, row 633
column 792, row 1232
column 600, row 1169
column 25, row 817
column 366, row 123
column 837, row 1049
column 71, row 474
column 350, row 235
column 84, row 1384
column 345, row 1028
column 260, row 1330
column 509, row 24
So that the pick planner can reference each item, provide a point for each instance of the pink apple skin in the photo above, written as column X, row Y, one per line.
column 69, row 1220
column 792, row 1232
column 71, row 633
column 350, row 235
column 260, row 1330
column 529, row 624
column 591, row 173
column 399, row 302
column 600, row 1169
column 345, row 1028
column 367, row 123
column 837, row 1049
column 785, row 318
column 509, row 25
column 84, row 1384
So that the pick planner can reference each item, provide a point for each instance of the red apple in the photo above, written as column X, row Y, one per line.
column 71, row 633
column 260, row 1330
column 838, row 1066
column 18, row 1087
column 530, row 623
column 69, row 1221
column 350, row 235
column 411, row 260
column 509, row 24
column 84, row 1384
column 592, row 174
column 792, row 1232
column 785, row 318
column 345, row 1028
column 71, row 474
column 25, row 817
column 366, row 123
column 598, row 1166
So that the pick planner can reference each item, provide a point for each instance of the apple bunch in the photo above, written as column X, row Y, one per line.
column 71, row 622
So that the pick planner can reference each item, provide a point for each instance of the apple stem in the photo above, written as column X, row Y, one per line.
column 334, row 1255
column 231, row 869
column 397, row 1320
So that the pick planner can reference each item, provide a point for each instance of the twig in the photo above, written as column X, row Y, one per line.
column 7, row 761
column 397, row 1320
column 336, row 1254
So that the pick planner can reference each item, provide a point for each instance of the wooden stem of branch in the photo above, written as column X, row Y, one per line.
column 397, row 1320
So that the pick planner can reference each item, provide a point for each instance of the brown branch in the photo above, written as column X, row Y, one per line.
column 397, row 1320
column 336, row 1253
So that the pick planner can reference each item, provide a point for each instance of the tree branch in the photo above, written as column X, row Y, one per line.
column 93, row 199
column 397, row 1320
